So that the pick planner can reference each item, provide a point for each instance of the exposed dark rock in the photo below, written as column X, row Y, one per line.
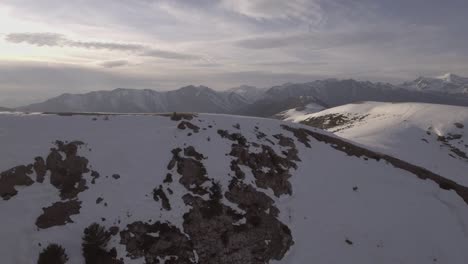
column 187, row 125
column 191, row 152
column 192, row 171
column 114, row 230
column 333, row 120
column 233, row 137
column 67, row 174
column 459, row 125
column 269, row 169
column 116, row 176
column 158, row 240
column 99, row 200
column 179, row 116
column 217, row 239
column 94, row 175
column 58, row 214
column 168, row 178
column 40, row 169
column 249, row 199
column 159, row 195
column 17, row 176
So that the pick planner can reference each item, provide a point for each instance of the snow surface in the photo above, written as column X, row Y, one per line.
column 401, row 130
column 298, row 114
column 393, row 217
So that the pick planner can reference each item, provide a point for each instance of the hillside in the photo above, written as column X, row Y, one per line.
column 217, row 189
column 430, row 135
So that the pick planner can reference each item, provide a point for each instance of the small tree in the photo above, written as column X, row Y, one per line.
column 95, row 240
column 53, row 254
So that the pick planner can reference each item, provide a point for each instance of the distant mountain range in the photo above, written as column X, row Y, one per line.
column 265, row 102
column 448, row 83
column 4, row 109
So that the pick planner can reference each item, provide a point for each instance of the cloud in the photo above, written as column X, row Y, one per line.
column 308, row 11
column 163, row 54
column 58, row 40
column 104, row 45
column 114, row 63
column 38, row 39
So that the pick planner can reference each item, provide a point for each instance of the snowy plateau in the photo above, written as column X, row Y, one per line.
column 212, row 188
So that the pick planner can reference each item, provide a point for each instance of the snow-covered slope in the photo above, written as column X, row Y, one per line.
column 430, row 135
column 447, row 83
column 217, row 189
column 189, row 98
column 299, row 113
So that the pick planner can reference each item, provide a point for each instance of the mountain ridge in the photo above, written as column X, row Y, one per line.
column 243, row 100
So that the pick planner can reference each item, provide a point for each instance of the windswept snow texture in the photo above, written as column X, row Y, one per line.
column 429, row 135
column 239, row 190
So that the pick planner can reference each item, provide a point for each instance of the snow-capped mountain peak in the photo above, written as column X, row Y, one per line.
column 447, row 83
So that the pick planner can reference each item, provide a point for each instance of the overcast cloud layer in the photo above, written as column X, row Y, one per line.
column 50, row 47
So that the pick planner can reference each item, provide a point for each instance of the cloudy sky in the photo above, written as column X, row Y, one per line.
column 48, row 47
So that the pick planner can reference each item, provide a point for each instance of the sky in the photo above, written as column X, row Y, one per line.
column 49, row 47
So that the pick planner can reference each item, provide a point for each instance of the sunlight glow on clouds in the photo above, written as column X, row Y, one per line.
column 164, row 44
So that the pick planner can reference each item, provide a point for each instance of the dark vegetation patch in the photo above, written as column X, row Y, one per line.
column 446, row 141
column 354, row 150
column 40, row 169
column 168, row 178
column 238, row 137
column 17, row 176
column 217, row 238
column 53, row 254
column 192, row 171
column 116, row 176
column 262, row 136
column 158, row 240
column 95, row 240
column 213, row 230
column 58, row 214
column 94, row 176
column 187, row 125
column 459, row 125
column 191, row 152
column 269, row 169
column 160, row 195
column 67, row 174
column 179, row 116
